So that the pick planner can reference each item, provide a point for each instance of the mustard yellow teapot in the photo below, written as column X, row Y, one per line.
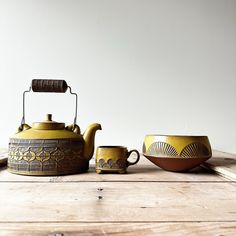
column 49, row 147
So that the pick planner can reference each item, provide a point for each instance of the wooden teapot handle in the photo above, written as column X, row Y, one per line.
column 49, row 85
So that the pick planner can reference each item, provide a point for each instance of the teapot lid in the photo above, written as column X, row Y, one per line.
column 48, row 124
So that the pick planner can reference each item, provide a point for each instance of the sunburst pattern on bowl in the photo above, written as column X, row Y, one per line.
column 177, row 153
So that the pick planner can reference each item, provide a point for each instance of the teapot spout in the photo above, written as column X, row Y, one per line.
column 89, row 137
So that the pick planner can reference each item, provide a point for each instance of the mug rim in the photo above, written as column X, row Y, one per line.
column 111, row 147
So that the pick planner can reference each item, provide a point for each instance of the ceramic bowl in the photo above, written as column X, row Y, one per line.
column 176, row 152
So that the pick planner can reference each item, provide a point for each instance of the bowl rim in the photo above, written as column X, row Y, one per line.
column 176, row 135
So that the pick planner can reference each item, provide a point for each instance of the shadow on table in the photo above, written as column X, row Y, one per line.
column 221, row 161
column 3, row 168
column 150, row 170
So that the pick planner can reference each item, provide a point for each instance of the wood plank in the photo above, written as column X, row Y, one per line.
column 135, row 174
column 144, row 171
column 224, row 164
column 125, row 229
column 117, row 202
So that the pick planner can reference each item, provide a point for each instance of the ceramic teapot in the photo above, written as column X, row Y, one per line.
column 49, row 147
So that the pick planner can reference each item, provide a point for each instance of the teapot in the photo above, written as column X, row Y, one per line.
column 49, row 147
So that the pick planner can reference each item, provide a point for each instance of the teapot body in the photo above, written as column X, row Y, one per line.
column 46, row 156
column 50, row 148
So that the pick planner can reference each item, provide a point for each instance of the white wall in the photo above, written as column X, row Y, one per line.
column 139, row 66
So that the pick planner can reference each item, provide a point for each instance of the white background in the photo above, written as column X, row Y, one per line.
column 138, row 66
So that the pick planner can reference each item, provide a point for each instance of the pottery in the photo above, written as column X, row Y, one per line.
column 49, row 147
column 176, row 152
column 111, row 159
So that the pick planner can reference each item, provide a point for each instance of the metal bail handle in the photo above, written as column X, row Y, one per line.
column 49, row 86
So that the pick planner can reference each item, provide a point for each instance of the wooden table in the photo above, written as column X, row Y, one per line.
column 146, row 201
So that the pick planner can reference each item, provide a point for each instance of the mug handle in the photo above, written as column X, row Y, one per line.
column 136, row 161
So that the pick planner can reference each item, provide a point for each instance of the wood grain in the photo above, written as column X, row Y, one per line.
column 140, row 173
column 117, row 202
column 224, row 164
column 125, row 229
column 146, row 201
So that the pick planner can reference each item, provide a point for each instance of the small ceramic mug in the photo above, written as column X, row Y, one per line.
column 113, row 159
